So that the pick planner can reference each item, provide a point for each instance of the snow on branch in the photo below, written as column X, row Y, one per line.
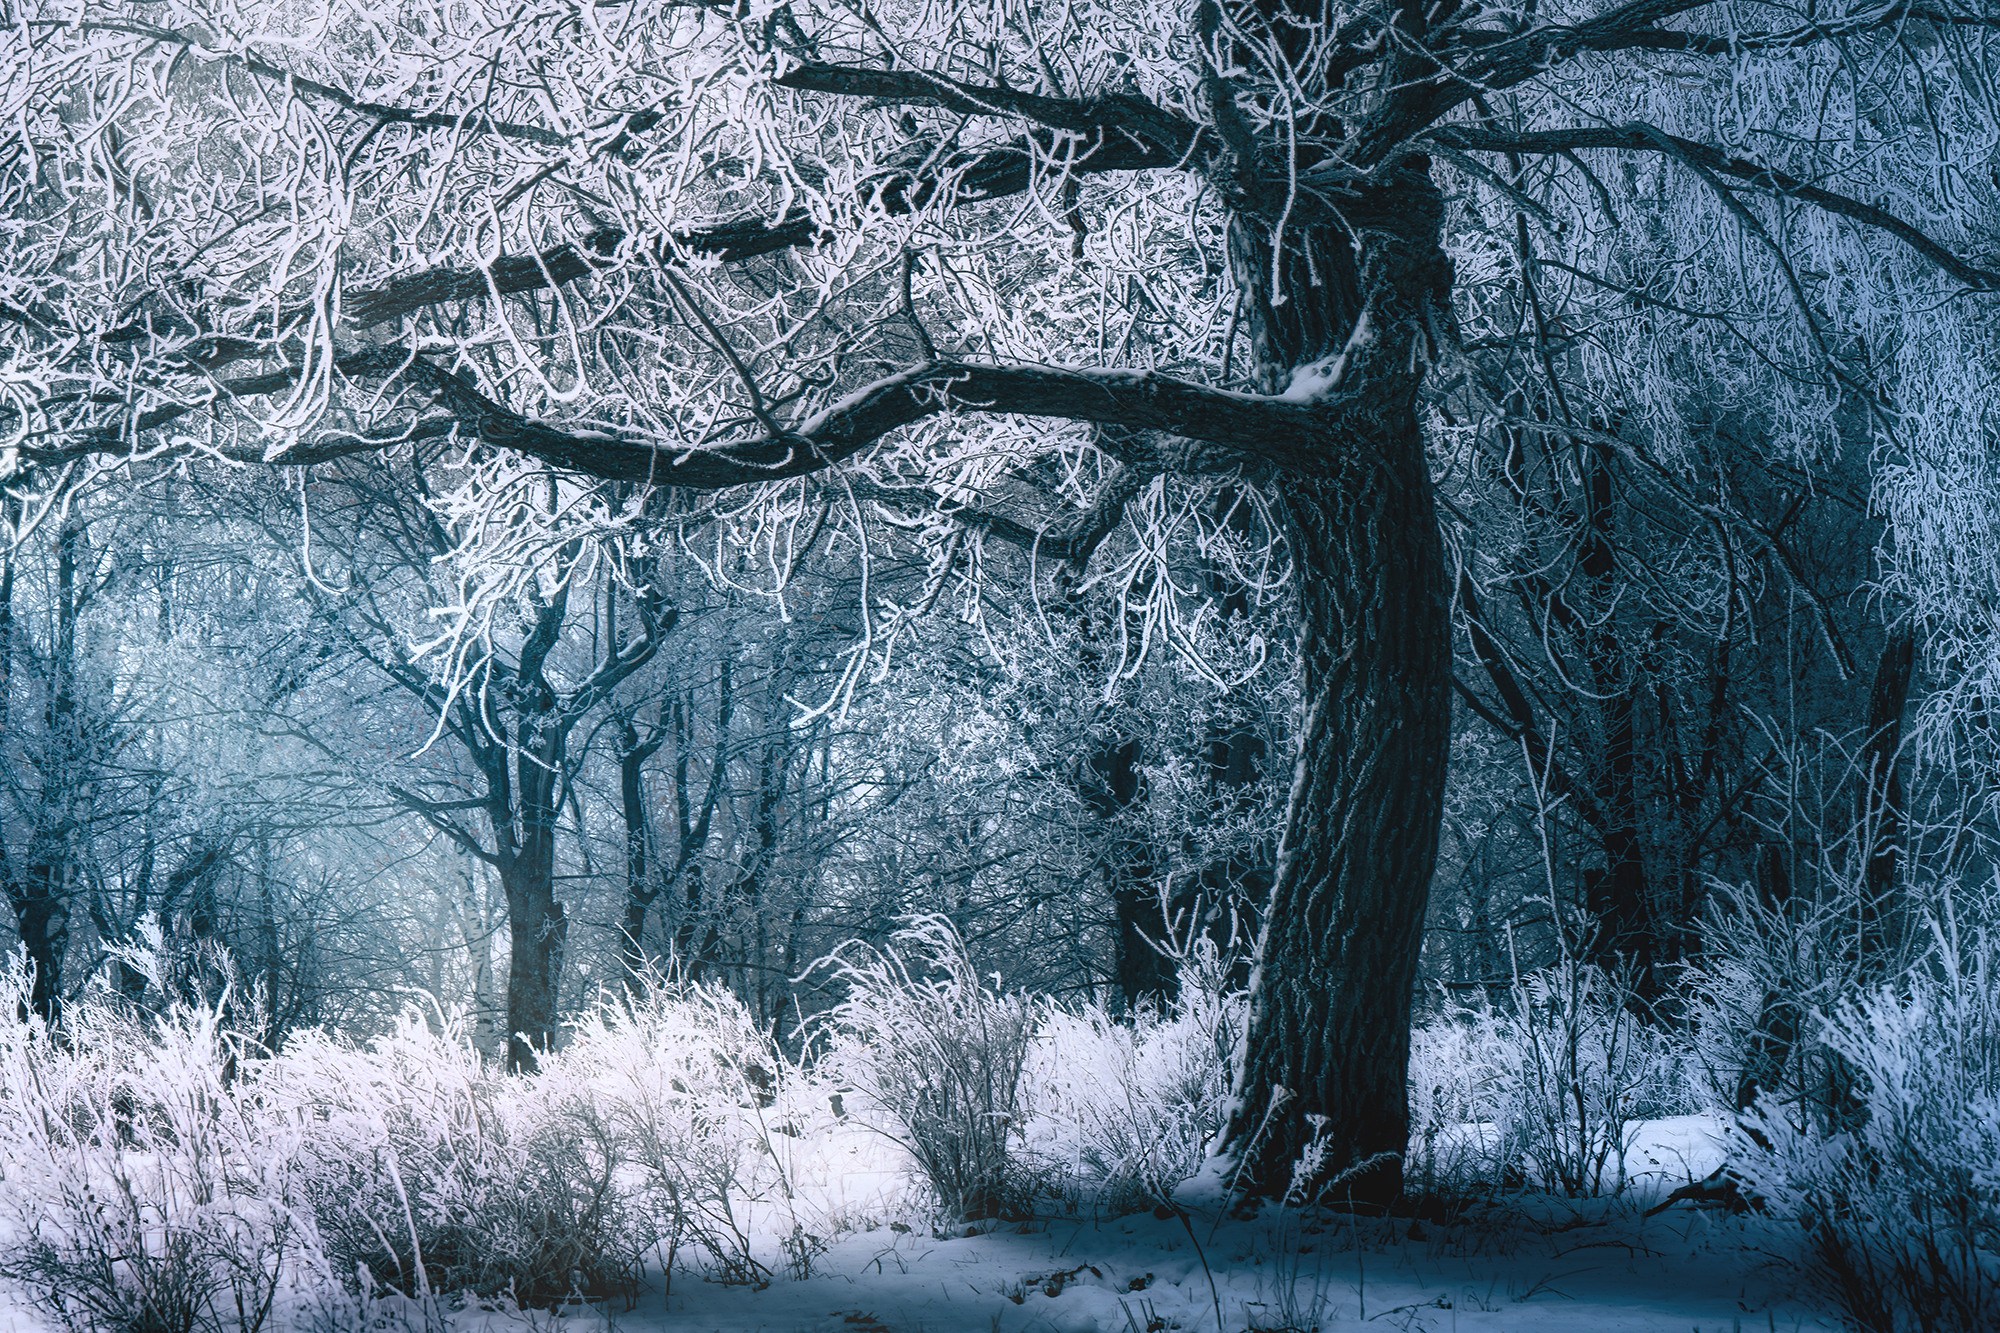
column 1140, row 400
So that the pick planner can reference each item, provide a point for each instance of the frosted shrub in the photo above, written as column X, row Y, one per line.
column 142, row 1193
column 1540, row 1087
column 1900, row 1202
column 1125, row 1111
column 428, row 1170
column 1764, row 965
column 935, row 1057
column 1454, row 1102
column 695, row 1094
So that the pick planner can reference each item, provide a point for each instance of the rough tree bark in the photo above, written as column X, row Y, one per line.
column 1322, row 1082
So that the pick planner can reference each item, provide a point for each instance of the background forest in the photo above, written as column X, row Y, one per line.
column 1343, row 604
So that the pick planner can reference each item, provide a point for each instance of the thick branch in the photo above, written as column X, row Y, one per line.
column 438, row 814
column 1637, row 137
column 1136, row 399
column 731, row 242
column 1096, row 118
column 1073, row 543
column 967, row 176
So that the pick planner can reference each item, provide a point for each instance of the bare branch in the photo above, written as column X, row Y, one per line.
column 964, row 176
column 1074, row 542
column 382, row 112
column 1137, row 399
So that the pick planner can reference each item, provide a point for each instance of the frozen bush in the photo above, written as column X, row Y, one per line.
column 1454, row 1103
column 700, row 1100
column 1125, row 1111
column 1764, row 966
column 142, row 1194
column 935, row 1057
column 1541, row 1087
column 1899, row 1195
column 162, row 1172
column 429, row 1170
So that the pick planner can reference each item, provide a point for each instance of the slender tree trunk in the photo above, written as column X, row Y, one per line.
column 1323, row 1082
column 1778, row 1017
column 1882, row 928
column 277, row 1015
column 43, row 921
column 1626, row 930
column 639, row 888
column 537, row 924
column 41, row 893
column 477, row 927
column 1113, row 788
column 1236, row 757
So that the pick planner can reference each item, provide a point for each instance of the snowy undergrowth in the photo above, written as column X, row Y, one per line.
column 935, row 1055
column 164, row 1173
column 1122, row 1111
column 1895, row 1173
column 1002, row 1101
column 1541, row 1087
column 427, row 1171
column 142, row 1191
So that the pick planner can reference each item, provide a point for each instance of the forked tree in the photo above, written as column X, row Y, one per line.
column 1032, row 264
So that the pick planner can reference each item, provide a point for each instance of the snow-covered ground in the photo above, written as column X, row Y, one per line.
column 1591, row 1266
column 797, row 1178
column 1594, row 1266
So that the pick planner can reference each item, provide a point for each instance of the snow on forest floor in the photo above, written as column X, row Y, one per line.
column 1586, row 1268
column 1528, row 1263
column 1536, row 1263
column 1561, row 1265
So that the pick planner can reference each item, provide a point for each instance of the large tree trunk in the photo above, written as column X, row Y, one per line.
column 1330, row 1017
column 1323, row 1083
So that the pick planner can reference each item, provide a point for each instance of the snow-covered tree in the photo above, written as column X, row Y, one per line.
column 1031, row 270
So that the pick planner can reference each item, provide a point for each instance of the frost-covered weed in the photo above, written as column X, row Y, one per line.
column 936, row 1057
column 1542, row 1086
column 141, row 1194
column 1123, row 1111
column 164, row 1174
column 1899, row 1196
column 709, row 1113
column 1764, row 966
column 1454, row 1098
column 432, row 1171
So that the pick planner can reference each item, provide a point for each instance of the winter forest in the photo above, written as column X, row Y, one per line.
column 1236, row 666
